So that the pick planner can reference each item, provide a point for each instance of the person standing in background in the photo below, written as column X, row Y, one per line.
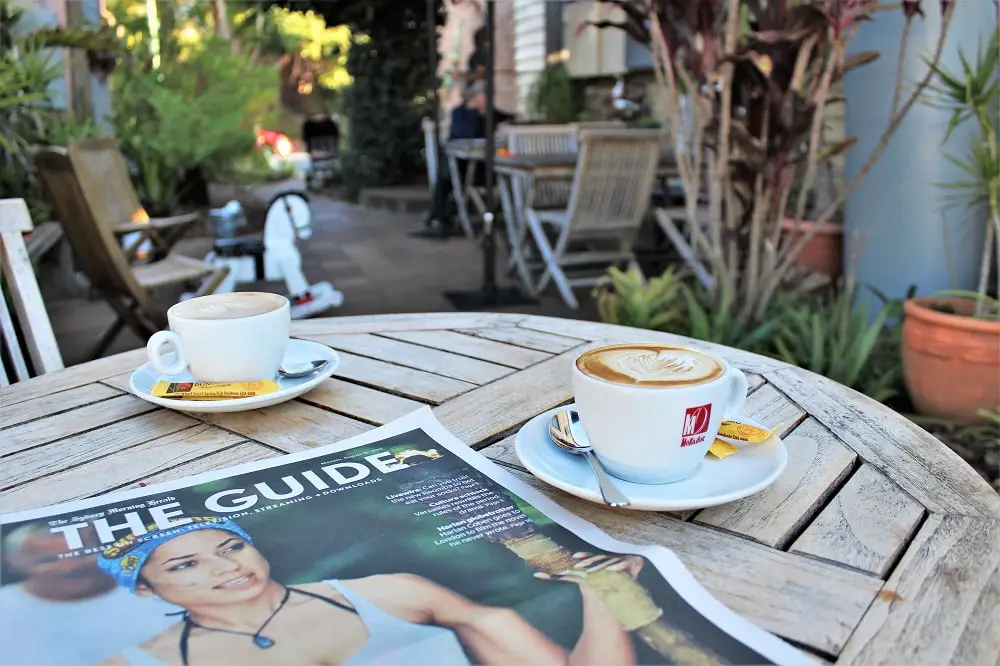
column 468, row 121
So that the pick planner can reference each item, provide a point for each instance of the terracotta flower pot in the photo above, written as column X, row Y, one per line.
column 824, row 253
column 951, row 362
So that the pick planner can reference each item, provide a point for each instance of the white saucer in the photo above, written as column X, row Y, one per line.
column 717, row 481
column 298, row 352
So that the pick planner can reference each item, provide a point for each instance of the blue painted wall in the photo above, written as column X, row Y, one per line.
column 894, row 218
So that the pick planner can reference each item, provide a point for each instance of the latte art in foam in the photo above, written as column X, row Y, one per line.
column 650, row 365
column 234, row 305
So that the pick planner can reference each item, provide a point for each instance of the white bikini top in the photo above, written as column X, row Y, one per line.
column 391, row 641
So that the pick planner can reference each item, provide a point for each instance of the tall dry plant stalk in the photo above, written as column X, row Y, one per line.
column 758, row 76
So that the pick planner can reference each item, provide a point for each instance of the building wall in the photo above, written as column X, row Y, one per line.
column 593, row 52
column 529, row 48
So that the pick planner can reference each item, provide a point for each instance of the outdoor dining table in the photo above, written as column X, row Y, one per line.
column 876, row 545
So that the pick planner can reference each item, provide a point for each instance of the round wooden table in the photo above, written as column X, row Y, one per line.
column 876, row 545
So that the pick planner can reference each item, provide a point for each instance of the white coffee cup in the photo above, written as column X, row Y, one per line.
column 652, row 411
column 234, row 337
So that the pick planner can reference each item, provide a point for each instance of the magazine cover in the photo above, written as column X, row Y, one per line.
column 399, row 546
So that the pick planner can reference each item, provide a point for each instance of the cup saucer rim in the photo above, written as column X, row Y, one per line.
column 771, row 455
column 287, row 388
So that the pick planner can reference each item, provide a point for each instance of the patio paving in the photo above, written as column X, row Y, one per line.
column 366, row 254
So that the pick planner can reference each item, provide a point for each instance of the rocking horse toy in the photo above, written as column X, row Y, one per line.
column 273, row 255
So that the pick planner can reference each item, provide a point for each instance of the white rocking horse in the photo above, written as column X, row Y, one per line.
column 274, row 255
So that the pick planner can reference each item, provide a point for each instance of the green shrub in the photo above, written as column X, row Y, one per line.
column 391, row 93
column 195, row 112
column 827, row 333
column 836, row 337
column 553, row 99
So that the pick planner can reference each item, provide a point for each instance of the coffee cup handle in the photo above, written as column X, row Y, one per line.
column 154, row 352
column 737, row 393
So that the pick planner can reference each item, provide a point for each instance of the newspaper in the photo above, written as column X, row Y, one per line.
column 399, row 546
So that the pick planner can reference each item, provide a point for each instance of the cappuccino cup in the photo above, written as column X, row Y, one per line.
column 652, row 411
column 235, row 337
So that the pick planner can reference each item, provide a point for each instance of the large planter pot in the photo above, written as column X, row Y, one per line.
column 824, row 253
column 951, row 362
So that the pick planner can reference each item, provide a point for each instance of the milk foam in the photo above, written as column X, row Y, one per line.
column 651, row 366
column 229, row 306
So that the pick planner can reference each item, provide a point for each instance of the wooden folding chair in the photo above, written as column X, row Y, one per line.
column 127, row 288
column 115, row 203
column 28, row 329
column 611, row 194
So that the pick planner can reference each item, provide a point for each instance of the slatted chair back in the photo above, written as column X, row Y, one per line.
column 83, row 208
column 544, row 140
column 599, row 125
column 29, row 346
column 105, row 178
column 613, row 181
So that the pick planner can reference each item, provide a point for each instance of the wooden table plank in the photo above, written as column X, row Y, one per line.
column 360, row 402
column 817, row 464
column 754, row 382
column 916, row 461
column 229, row 457
column 42, row 431
column 22, row 412
column 108, row 440
column 472, row 346
column 100, row 476
column 941, row 605
column 524, row 337
column 407, row 382
column 866, row 526
column 402, row 322
column 291, row 426
column 414, row 356
column 783, row 593
column 492, row 410
column 771, row 408
column 77, row 375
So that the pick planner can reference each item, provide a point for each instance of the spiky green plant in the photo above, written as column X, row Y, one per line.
column 972, row 94
column 627, row 298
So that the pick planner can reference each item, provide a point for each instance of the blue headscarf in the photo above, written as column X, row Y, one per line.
column 123, row 559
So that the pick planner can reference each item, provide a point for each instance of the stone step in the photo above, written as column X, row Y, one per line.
column 399, row 199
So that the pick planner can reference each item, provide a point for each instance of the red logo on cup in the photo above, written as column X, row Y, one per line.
column 695, row 425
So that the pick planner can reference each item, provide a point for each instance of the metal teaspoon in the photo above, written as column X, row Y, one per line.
column 561, row 432
column 303, row 370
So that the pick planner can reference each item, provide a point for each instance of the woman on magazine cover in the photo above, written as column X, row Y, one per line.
column 235, row 613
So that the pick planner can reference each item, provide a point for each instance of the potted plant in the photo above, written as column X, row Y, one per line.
column 823, row 252
column 951, row 341
column 758, row 78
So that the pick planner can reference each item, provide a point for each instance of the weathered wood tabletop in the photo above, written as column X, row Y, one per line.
column 876, row 545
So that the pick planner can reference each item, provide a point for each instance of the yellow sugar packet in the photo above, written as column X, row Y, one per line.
column 212, row 390
column 740, row 432
column 721, row 448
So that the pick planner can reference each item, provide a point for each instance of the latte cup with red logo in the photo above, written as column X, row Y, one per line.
column 652, row 411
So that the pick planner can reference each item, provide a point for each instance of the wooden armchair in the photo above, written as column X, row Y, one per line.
column 83, row 207
column 26, row 332
column 105, row 178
